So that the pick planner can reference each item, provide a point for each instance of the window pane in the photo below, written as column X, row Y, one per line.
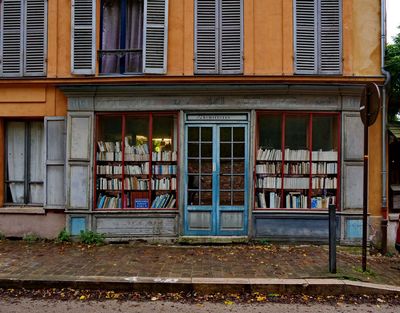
column 296, row 132
column 137, row 135
column 270, row 132
column 225, row 134
column 36, row 162
column 325, row 133
column 164, row 134
column 15, row 161
column 134, row 35
column 193, row 134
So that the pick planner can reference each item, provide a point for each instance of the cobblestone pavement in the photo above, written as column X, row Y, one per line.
column 22, row 260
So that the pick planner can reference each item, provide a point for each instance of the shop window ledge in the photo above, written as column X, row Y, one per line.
column 22, row 210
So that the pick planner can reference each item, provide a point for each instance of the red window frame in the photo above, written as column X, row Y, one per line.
column 150, row 116
column 310, row 115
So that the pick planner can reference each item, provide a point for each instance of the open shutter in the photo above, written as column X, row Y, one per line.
column 206, row 37
column 83, row 56
column 155, row 37
column 231, row 37
column 55, row 162
column 11, row 33
column 330, row 37
column 35, row 41
column 305, row 12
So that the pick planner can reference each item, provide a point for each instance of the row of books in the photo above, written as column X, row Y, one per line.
column 296, row 183
column 164, row 169
column 296, row 155
column 109, row 156
column 274, row 200
column 109, row 184
column 296, row 200
column 134, row 183
column 165, row 183
column 269, row 182
column 301, row 168
column 164, row 201
column 164, row 156
column 322, row 202
column 105, row 202
column 137, row 169
column 108, row 146
column 324, row 183
column 269, row 168
column 129, row 157
column 109, row 169
column 324, row 168
column 139, row 149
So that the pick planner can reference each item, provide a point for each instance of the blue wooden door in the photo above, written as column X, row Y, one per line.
column 216, row 180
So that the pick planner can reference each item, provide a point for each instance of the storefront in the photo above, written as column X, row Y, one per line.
column 264, row 163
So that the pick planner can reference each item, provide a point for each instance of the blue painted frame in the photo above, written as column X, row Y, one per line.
column 215, row 210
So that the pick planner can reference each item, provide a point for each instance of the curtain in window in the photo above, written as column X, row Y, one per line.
column 111, row 35
column 36, row 163
column 16, row 160
column 134, row 35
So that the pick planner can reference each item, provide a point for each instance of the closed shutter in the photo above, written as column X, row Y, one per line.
column 83, row 34
column 35, row 46
column 231, row 37
column 305, row 36
column 330, row 37
column 155, row 37
column 11, row 33
column 55, row 162
column 206, row 37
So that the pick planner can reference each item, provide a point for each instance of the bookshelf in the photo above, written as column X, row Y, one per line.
column 297, row 168
column 140, row 171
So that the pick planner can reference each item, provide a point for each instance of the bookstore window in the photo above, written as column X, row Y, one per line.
column 121, row 37
column 24, row 163
column 136, row 161
column 297, row 161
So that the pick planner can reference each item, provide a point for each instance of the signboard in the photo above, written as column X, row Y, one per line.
column 141, row 203
column 216, row 117
column 370, row 104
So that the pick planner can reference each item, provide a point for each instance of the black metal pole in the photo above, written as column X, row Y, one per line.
column 332, row 238
column 365, row 199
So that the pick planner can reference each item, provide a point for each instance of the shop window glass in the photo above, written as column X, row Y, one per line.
column 24, row 162
column 122, row 36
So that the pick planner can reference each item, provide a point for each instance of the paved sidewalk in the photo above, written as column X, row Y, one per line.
column 229, row 264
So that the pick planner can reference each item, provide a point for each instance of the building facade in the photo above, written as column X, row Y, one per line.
column 188, row 119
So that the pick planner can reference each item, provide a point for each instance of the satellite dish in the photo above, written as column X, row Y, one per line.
column 370, row 104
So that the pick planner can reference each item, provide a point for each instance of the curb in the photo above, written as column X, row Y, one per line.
column 203, row 285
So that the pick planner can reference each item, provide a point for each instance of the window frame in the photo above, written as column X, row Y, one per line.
column 27, row 182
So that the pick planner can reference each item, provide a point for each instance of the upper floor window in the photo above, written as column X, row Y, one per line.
column 23, row 38
column 318, row 36
column 121, row 37
column 134, row 35
column 218, row 36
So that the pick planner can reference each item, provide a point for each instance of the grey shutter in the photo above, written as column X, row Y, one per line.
column 83, row 34
column 231, row 37
column 11, row 33
column 330, row 37
column 79, row 155
column 206, row 37
column 155, row 37
column 305, row 12
column 35, row 41
column 54, row 196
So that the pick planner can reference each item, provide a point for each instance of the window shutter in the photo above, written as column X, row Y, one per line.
column 83, row 56
column 35, row 41
column 206, row 37
column 54, row 195
column 11, row 38
column 305, row 12
column 231, row 37
column 155, row 37
column 330, row 37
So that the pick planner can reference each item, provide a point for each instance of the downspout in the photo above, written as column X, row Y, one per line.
column 384, row 209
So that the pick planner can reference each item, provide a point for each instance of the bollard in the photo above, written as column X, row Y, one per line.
column 332, row 238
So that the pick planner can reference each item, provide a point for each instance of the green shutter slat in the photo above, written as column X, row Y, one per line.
column 83, row 34
column 206, row 37
column 155, row 37
column 35, row 38
column 11, row 38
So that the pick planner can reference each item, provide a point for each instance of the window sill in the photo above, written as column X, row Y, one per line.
column 22, row 210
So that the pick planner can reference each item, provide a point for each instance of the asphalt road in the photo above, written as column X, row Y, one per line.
column 22, row 305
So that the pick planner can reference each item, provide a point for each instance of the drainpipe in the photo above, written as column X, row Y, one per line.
column 384, row 209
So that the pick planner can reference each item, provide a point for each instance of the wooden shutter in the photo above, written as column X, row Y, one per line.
column 55, row 162
column 35, row 41
column 83, row 56
column 330, row 44
column 305, row 12
column 11, row 33
column 206, row 37
column 155, row 37
column 231, row 37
